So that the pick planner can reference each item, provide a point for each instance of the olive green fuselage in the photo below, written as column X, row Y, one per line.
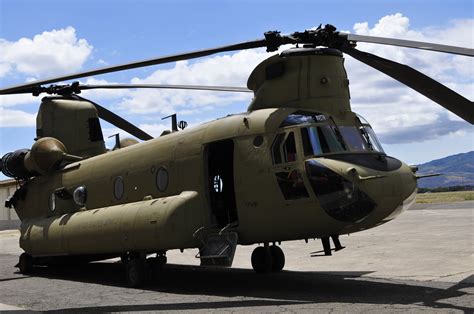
column 147, row 219
column 259, row 174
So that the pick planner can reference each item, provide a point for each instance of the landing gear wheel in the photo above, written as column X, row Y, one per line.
column 161, row 259
column 261, row 260
column 278, row 258
column 156, row 265
column 25, row 263
column 124, row 258
column 137, row 272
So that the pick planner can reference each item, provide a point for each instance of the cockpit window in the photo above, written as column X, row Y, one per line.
column 276, row 148
column 320, row 135
column 371, row 139
column 289, row 149
column 320, row 140
column 353, row 138
column 303, row 117
column 291, row 185
column 369, row 135
column 284, row 148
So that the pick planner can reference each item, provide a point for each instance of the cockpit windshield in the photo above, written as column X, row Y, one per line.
column 320, row 135
column 369, row 135
column 320, row 139
column 353, row 138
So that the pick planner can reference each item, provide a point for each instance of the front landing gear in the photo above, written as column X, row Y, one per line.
column 139, row 269
column 278, row 258
column 267, row 259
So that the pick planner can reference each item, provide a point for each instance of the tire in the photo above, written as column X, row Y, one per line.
column 278, row 258
column 124, row 258
column 25, row 264
column 161, row 259
column 136, row 273
column 261, row 260
column 156, row 265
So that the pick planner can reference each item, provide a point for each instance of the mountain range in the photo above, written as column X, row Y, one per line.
column 456, row 169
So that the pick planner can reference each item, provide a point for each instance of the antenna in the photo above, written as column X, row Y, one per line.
column 117, row 141
column 174, row 122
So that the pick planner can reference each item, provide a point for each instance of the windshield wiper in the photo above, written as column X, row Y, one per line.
column 366, row 136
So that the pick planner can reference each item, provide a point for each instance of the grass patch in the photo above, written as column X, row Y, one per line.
column 445, row 197
column 469, row 197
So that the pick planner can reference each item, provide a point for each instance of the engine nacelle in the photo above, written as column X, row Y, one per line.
column 13, row 164
column 45, row 156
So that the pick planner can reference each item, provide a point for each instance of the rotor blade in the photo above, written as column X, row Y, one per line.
column 119, row 122
column 138, row 64
column 423, row 84
column 164, row 86
column 410, row 44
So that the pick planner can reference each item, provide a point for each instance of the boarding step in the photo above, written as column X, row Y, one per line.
column 218, row 249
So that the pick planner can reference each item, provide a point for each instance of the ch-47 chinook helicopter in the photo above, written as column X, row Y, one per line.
column 298, row 164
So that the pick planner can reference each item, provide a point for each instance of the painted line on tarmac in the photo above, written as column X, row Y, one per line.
column 6, row 307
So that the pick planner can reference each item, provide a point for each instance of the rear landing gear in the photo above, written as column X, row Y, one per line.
column 139, row 269
column 25, row 264
column 156, row 264
column 137, row 272
column 267, row 259
column 161, row 259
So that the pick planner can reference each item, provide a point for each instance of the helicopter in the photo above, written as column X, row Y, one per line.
column 298, row 164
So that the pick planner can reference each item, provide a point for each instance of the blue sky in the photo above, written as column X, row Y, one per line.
column 74, row 36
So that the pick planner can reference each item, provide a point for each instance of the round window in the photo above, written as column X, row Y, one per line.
column 119, row 188
column 258, row 141
column 80, row 195
column 162, row 179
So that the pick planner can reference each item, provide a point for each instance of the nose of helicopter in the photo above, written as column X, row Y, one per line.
column 364, row 191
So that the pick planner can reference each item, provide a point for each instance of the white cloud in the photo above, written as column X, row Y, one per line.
column 20, row 99
column 16, row 118
column 4, row 68
column 398, row 113
column 102, row 94
column 154, row 129
column 49, row 53
column 221, row 70
column 395, row 25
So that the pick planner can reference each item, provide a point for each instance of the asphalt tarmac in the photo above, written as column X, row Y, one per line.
column 423, row 261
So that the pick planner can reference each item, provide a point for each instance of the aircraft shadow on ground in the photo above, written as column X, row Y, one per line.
column 285, row 288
